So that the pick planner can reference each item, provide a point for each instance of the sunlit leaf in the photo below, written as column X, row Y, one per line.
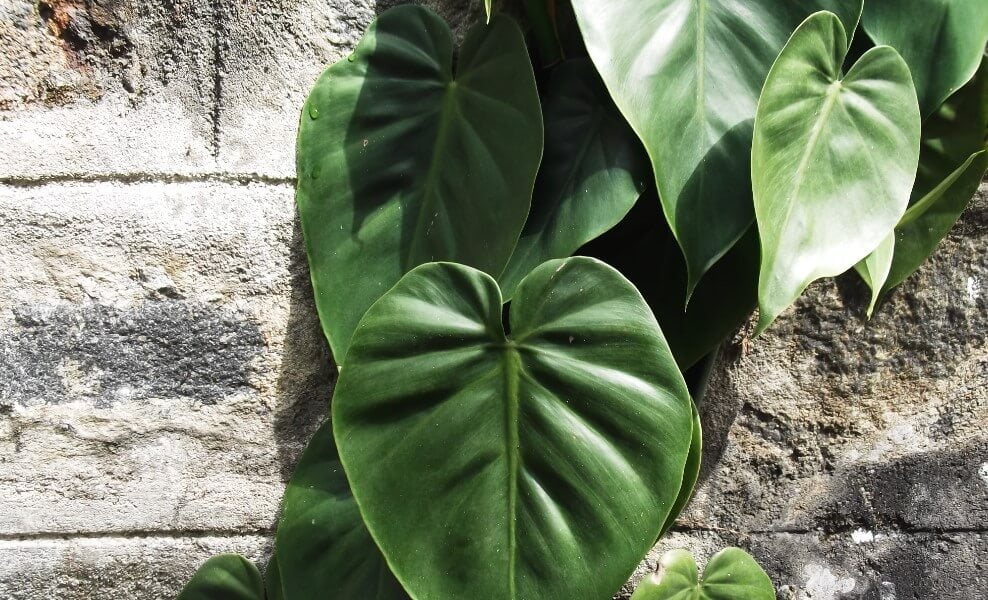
column 833, row 159
column 536, row 463
column 691, row 473
column 687, row 74
column 731, row 574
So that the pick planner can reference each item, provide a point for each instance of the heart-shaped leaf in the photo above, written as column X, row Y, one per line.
column 731, row 574
column 401, row 161
column 686, row 74
column 323, row 548
column 941, row 40
column 832, row 161
column 643, row 250
column 691, row 473
column 593, row 170
column 225, row 577
column 536, row 464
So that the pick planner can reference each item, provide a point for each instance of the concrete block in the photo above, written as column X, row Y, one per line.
column 160, row 360
column 101, row 568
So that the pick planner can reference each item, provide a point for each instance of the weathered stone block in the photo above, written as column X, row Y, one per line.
column 89, row 89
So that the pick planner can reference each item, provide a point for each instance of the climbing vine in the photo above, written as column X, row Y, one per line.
column 525, row 251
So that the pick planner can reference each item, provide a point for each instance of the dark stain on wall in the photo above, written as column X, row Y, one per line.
column 938, row 491
column 103, row 354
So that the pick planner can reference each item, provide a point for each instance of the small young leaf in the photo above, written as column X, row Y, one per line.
column 593, row 170
column 536, row 464
column 833, row 159
column 323, row 548
column 225, row 577
column 487, row 9
column 875, row 267
column 686, row 74
column 731, row 574
column 403, row 161
column 941, row 40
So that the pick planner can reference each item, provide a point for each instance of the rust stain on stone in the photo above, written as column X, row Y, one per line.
column 92, row 33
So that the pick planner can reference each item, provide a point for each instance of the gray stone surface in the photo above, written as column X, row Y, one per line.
column 161, row 364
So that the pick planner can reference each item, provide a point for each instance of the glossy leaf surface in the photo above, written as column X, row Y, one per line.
column 225, row 577
column 593, row 170
column 691, row 473
column 401, row 161
column 536, row 464
column 323, row 547
column 687, row 74
column 643, row 250
column 941, row 40
column 731, row 574
column 833, row 159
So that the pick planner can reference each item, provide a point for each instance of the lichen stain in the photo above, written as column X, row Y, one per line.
column 106, row 355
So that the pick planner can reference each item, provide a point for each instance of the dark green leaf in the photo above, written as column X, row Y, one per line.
column 225, row 577
column 950, row 170
column 952, row 134
column 323, row 547
column 687, row 74
column 540, row 464
column 643, row 250
column 731, row 574
column 928, row 221
column 593, row 171
column 833, row 159
column 272, row 581
column 941, row 40
column 402, row 162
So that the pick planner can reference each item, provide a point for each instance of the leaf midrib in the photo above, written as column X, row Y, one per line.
column 833, row 93
column 429, row 195
column 511, row 362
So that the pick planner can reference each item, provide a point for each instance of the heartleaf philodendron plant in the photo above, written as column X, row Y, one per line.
column 512, row 422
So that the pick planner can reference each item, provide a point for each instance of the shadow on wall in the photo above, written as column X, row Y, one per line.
column 308, row 371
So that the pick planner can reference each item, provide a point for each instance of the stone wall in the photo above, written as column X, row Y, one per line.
column 161, row 365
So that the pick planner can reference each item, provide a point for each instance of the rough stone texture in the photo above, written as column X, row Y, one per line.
column 161, row 364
